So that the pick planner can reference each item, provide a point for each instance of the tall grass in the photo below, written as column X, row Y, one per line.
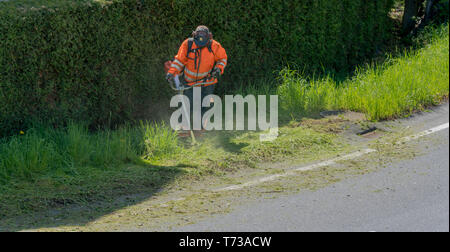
column 25, row 156
column 397, row 87
column 43, row 150
column 263, row 86
column 301, row 96
column 159, row 140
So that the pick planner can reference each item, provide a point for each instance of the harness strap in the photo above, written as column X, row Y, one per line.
column 197, row 58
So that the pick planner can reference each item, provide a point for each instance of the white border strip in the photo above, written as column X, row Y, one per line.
column 302, row 168
column 426, row 132
column 328, row 162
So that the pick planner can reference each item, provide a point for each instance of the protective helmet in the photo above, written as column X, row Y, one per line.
column 202, row 36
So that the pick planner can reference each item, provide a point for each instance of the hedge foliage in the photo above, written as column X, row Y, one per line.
column 97, row 61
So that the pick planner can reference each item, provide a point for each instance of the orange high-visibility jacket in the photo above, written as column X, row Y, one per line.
column 195, row 71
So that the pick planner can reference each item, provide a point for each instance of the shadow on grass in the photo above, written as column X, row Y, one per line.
column 84, row 199
column 224, row 141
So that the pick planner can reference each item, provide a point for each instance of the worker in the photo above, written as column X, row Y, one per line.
column 200, row 62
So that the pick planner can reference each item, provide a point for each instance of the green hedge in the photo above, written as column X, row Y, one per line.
column 98, row 61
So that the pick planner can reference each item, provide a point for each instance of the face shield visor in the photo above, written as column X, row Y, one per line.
column 201, row 38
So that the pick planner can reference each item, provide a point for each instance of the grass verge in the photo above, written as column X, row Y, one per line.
column 395, row 88
column 45, row 168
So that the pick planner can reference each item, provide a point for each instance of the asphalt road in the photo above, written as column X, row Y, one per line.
column 409, row 195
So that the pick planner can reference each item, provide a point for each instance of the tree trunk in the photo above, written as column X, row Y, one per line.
column 429, row 10
column 411, row 10
column 429, row 13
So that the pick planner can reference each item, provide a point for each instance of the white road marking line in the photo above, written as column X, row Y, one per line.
column 328, row 162
column 334, row 160
column 426, row 132
column 302, row 168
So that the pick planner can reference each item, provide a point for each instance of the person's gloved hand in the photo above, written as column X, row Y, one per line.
column 216, row 72
column 170, row 77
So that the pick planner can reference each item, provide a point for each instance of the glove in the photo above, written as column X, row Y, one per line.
column 216, row 72
column 170, row 77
